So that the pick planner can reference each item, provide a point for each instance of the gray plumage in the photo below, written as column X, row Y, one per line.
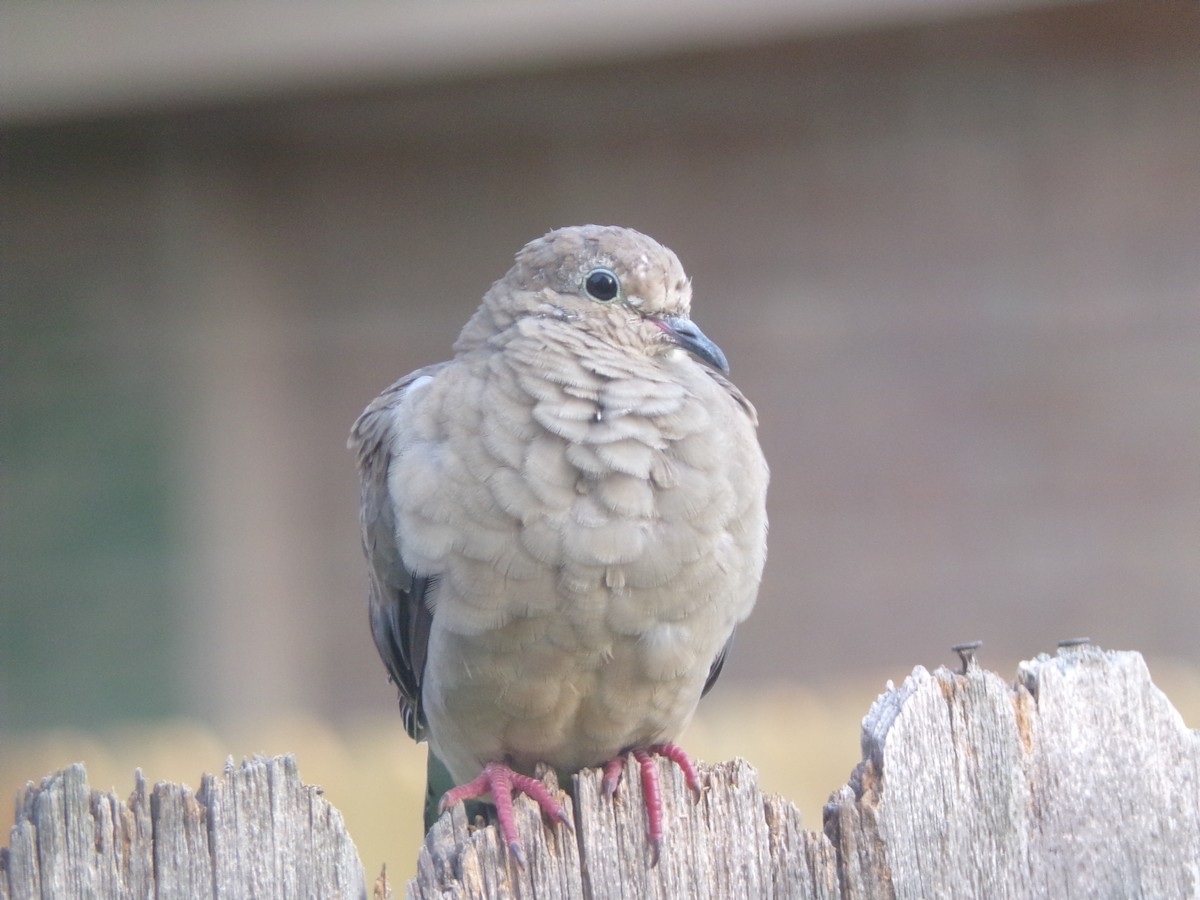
column 565, row 522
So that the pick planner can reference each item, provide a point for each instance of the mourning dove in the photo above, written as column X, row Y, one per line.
column 563, row 524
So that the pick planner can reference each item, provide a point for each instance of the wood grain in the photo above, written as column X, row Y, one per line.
column 1078, row 779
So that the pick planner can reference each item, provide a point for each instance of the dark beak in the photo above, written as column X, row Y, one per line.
column 687, row 334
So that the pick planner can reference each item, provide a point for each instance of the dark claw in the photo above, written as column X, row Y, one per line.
column 612, row 775
column 562, row 816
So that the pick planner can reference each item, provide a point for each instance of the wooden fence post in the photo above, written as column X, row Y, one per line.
column 253, row 831
column 1080, row 779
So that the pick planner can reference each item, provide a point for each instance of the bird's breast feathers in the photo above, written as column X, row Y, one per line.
column 597, row 535
column 579, row 494
column 533, row 482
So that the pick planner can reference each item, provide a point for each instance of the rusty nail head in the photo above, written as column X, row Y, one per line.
column 966, row 652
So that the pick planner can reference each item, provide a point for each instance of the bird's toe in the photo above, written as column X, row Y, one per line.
column 503, row 783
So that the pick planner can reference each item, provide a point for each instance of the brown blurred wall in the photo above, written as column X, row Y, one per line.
column 956, row 264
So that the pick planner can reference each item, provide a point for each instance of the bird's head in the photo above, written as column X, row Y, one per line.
column 614, row 283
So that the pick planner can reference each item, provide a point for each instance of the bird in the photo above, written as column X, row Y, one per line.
column 563, row 525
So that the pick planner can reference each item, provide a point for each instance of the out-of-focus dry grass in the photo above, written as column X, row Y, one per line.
column 803, row 742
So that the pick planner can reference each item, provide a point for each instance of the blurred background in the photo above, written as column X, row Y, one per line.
column 951, row 248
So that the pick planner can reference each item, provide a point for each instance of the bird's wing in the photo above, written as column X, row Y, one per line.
column 401, row 615
column 714, row 670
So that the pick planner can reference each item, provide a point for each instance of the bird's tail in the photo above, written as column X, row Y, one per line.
column 437, row 782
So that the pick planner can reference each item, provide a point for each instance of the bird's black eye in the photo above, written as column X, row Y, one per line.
column 602, row 284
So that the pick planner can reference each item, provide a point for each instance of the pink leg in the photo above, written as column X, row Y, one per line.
column 651, row 789
column 652, row 795
column 502, row 782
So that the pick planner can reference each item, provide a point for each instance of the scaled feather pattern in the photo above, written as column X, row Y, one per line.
column 565, row 522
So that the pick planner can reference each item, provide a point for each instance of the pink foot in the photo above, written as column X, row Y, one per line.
column 651, row 790
column 502, row 782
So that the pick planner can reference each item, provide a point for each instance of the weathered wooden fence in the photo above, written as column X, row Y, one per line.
column 1079, row 780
